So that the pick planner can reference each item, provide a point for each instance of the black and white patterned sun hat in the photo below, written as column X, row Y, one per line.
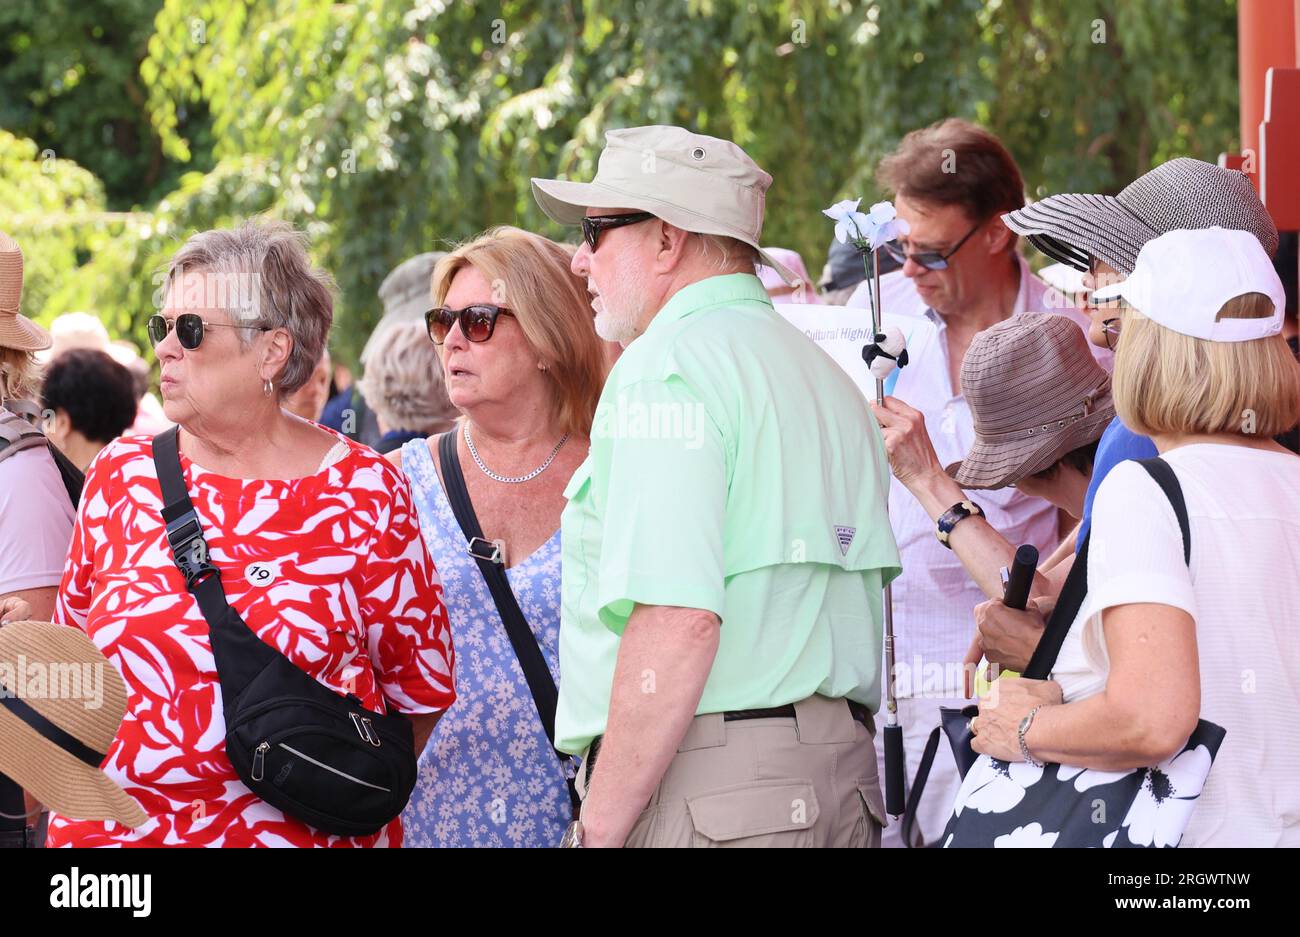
column 1182, row 194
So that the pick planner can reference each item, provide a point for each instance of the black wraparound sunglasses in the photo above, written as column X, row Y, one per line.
column 477, row 322
column 930, row 260
column 591, row 227
column 189, row 329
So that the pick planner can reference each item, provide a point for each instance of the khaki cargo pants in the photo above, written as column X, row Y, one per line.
column 806, row 781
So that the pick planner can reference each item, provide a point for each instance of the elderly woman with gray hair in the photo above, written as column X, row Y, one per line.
column 404, row 385
column 316, row 540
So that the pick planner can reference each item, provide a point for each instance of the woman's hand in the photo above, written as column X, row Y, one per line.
column 996, row 729
column 1008, row 636
column 911, row 454
column 14, row 609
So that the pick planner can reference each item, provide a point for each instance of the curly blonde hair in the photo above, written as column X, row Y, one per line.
column 20, row 374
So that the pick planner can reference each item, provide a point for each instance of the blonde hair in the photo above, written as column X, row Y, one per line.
column 530, row 276
column 1169, row 383
column 403, row 381
column 20, row 374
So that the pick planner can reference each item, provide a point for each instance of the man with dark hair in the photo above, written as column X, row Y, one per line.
column 961, row 272
column 89, row 400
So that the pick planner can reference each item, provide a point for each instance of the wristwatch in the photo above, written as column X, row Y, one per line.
column 572, row 838
column 954, row 516
column 1025, row 723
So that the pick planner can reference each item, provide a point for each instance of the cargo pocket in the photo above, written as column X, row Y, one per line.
column 759, row 813
column 872, row 820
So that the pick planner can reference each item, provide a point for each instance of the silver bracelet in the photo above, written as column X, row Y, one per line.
column 1025, row 723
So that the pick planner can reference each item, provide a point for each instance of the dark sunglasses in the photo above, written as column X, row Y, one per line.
column 477, row 323
column 930, row 260
column 189, row 329
column 591, row 227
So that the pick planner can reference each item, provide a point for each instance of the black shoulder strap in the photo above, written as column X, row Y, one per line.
column 1076, row 583
column 73, row 478
column 538, row 675
column 1164, row 476
column 185, row 533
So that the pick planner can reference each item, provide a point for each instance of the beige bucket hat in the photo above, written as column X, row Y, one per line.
column 695, row 182
column 61, row 702
column 16, row 331
column 1035, row 393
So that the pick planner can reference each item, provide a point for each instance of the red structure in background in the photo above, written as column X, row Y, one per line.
column 1268, row 44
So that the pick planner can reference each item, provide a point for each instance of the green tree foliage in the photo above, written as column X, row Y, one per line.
column 388, row 128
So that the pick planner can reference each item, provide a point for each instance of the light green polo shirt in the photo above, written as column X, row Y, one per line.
column 735, row 468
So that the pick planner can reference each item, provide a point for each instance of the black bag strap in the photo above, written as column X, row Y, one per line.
column 538, row 675
column 185, row 533
column 911, row 839
column 1075, row 588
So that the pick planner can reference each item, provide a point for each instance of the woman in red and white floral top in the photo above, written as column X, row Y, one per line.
column 316, row 538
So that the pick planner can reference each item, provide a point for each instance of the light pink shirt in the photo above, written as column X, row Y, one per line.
column 35, row 521
column 934, row 598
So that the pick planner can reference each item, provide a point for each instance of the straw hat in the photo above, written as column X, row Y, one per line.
column 1035, row 393
column 51, row 739
column 16, row 331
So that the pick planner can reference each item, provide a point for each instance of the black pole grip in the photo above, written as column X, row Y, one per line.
column 895, row 771
column 1021, row 577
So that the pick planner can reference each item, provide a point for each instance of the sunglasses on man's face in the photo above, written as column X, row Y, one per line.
column 930, row 260
column 477, row 323
column 591, row 227
column 189, row 329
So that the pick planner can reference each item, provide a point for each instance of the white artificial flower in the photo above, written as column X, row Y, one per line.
column 1164, row 803
column 850, row 224
column 1026, row 837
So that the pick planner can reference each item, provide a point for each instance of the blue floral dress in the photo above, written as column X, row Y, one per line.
column 488, row 776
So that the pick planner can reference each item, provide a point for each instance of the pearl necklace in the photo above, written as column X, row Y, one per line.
column 512, row 481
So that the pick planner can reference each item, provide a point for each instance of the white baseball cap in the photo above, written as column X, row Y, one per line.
column 1183, row 278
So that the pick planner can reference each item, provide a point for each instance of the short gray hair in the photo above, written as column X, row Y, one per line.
column 266, row 278
column 403, row 381
column 729, row 251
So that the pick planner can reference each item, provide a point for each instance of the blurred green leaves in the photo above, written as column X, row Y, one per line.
column 388, row 128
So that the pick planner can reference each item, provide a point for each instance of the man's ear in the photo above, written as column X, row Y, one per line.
column 1000, row 238
column 61, row 425
column 671, row 246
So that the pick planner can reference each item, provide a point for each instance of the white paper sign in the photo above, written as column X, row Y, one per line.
column 842, row 331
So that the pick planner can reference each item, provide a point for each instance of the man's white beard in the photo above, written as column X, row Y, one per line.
column 614, row 328
column 617, row 316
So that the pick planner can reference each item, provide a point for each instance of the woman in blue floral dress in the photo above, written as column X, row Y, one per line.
column 524, row 365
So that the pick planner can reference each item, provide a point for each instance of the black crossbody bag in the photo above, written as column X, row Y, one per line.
column 545, row 694
column 320, row 757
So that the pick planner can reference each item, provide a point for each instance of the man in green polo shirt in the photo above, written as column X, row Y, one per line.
column 726, row 542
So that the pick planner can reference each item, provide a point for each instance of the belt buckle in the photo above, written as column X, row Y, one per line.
column 491, row 550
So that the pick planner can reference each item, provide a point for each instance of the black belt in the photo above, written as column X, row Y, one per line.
column 857, row 710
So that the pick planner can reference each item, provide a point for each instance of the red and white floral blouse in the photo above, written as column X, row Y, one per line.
column 330, row 569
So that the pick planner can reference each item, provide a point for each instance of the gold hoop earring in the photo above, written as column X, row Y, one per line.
column 268, row 387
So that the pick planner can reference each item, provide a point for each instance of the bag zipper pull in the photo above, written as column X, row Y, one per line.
column 259, row 760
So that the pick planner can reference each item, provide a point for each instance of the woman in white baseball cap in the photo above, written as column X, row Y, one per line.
column 1164, row 636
